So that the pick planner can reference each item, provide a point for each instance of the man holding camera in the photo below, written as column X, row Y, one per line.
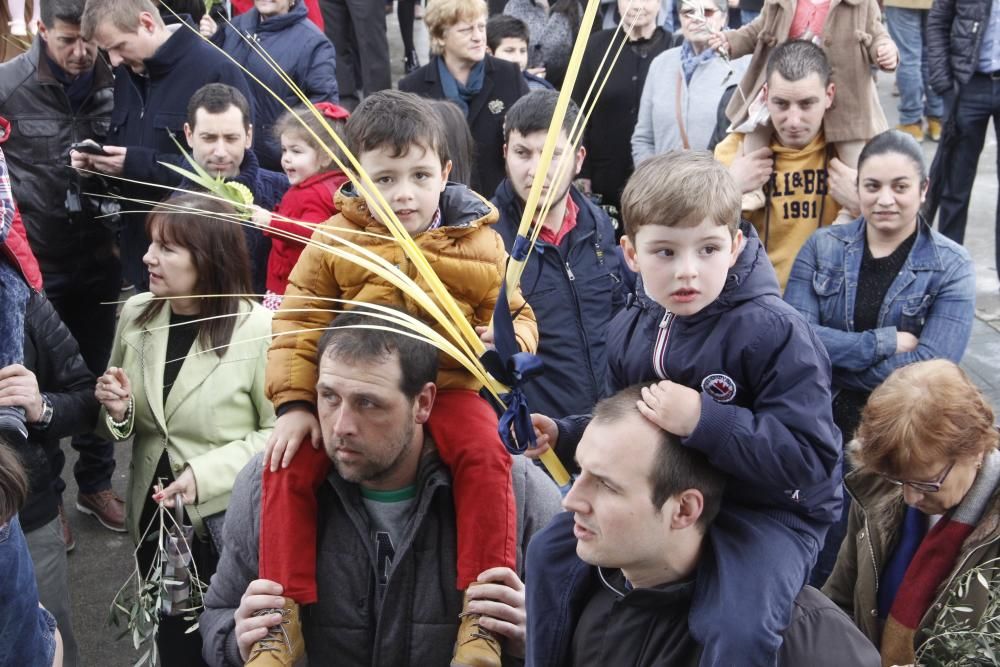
column 55, row 95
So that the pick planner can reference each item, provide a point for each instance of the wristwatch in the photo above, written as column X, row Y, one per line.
column 46, row 418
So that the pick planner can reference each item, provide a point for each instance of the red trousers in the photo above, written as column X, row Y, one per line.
column 464, row 429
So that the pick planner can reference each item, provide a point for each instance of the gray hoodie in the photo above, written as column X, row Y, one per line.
column 417, row 620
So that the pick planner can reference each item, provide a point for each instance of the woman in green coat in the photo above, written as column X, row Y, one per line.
column 925, row 518
column 186, row 382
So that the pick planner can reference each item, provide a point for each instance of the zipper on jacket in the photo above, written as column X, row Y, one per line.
column 867, row 528
column 975, row 27
column 660, row 346
column 569, row 272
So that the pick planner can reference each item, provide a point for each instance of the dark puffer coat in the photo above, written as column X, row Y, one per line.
column 955, row 30
column 302, row 51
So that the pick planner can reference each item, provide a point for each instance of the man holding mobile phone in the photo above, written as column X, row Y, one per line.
column 57, row 93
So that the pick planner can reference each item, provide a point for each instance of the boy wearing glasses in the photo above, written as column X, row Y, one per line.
column 739, row 376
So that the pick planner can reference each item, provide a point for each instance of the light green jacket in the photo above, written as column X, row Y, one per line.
column 215, row 418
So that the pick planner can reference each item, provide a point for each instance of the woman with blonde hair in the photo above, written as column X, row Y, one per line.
column 926, row 510
column 482, row 86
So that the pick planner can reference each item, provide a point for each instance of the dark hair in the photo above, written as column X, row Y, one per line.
column 796, row 59
column 349, row 337
column 297, row 120
column 217, row 98
column 501, row 27
column 533, row 113
column 13, row 483
column 676, row 468
column 894, row 141
column 206, row 228
column 461, row 145
column 396, row 120
column 67, row 11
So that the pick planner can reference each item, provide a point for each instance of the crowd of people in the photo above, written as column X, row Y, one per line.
column 737, row 330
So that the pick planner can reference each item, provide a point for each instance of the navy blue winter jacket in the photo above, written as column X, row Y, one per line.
column 302, row 51
column 765, row 381
column 150, row 109
column 575, row 289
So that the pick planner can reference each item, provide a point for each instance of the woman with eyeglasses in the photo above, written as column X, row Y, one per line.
column 883, row 291
column 482, row 86
column 684, row 86
column 926, row 513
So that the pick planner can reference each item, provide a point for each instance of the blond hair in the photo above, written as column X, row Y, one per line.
column 921, row 415
column 680, row 189
column 122, row 14
column 443, row 14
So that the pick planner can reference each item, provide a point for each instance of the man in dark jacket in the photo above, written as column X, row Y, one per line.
column 640, row 511
column 58, row 93
column 219, row 133
column 56, row 390
column 157, row 70
column 573, row 277
column 386, row 550
column 963, row 58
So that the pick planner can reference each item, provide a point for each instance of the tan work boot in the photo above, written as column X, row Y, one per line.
column 915, row 130
column 934, row 128
column 283, row 646
column 753, row 201
column 475, row 646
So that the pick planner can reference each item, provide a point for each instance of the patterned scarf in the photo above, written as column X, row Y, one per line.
column 690, row 61
column 933, row 562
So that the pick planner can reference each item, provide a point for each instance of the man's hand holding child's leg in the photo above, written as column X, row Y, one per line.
column 671, row 406
column 290, row 429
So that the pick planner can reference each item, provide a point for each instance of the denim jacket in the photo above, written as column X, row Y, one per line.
column 932, row 297
column 27, row 632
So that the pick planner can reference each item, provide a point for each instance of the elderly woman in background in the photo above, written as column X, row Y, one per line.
column 684, row 86
column 609, row 161
column 926, row 512
column 883, row 291
column 186, row 382
column 482, row 86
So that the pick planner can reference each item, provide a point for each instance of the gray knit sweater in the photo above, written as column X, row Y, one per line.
column 550, row 36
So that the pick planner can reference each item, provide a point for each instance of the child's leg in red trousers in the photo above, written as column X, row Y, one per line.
column 464, row 429
column 288, row 513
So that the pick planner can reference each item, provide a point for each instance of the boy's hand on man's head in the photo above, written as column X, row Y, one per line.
column 290, row 429
column 671, row 406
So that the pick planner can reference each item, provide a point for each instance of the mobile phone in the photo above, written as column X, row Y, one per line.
column 89, row 146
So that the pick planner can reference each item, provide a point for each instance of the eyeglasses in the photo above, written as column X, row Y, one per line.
column 923, row 487
column 692, row 13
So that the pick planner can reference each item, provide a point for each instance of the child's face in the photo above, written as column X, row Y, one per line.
column 299, row 160
column 513, row 50
column 411, row 183
column 683, row 268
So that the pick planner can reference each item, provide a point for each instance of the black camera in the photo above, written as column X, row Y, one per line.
column 82, row 208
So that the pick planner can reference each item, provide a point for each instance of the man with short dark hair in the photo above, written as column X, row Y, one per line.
column 794, row 170
column 158, row 68
column 386, row 553
column 58, row 93
column 219, row 132
column 640, row 511
column 574, row 277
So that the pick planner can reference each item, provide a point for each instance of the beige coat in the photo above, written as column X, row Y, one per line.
column 851, row 35
column 216, row 416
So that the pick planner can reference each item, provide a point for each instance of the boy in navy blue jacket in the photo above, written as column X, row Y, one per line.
column 739, row 376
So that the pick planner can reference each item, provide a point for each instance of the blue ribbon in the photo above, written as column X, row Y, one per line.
column 509, row 365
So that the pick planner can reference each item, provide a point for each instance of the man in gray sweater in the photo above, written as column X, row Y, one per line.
column 386, row 548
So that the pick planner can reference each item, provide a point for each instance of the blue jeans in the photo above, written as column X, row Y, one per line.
column 916, row 99
column 27, row 632
column 978, row 101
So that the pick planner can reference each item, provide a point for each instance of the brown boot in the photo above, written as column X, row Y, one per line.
column 283, row 646
column 105, row 506
column 915, row 130
column 934, row 128
column 475, row 646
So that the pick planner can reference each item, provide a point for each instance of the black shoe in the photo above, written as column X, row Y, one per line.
column 411, row 63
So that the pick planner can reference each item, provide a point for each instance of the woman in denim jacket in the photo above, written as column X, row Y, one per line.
column 883, row 291
column 28, row 635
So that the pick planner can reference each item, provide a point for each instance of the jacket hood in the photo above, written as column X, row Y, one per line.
column 461, row 208
column 251, row 20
